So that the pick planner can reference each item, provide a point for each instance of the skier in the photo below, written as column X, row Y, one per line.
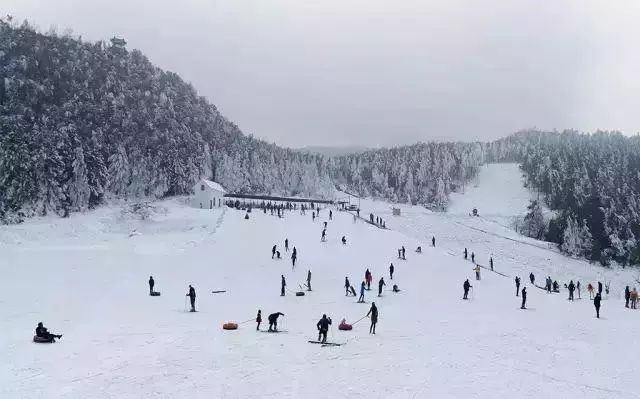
column 572, row 288
column 466, row 287
column 294, row 257
column 324, row 235
column 258, row 319
column 391, row 269
column 192, row 296
column 283, row 284
column 532, row 278
column 473, row 257
column 380, row 285
column 403, row 252
column 599, row 288
column 309, row 280
column 524, row 298
column 273, row 252
column 517, row 286
column 433, row 241
column 596, row 304
column 42, row 332
column 627, row 296
column 330, row 215
column 477, row 270
column 273, row 321
column 374, row 318
column 151, row 284
column 578, row 288
column 368, row 278
column 286, row 245
column 347, row 285
column 491, row 263
column 361, row 299
column 323, row 328
column 465, row 254
column 344, row 240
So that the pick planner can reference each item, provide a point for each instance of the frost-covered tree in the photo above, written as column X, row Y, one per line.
column 534, row 224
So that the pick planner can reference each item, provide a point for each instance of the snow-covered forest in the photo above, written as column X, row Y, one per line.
column 592, row 181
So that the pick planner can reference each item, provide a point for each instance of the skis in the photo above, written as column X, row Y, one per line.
column 218, row 292
column 324, row 344
column 274, row 332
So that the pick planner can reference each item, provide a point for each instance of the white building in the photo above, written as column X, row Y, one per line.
column 208, row 194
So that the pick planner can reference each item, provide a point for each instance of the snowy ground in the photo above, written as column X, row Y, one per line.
column 86, row 277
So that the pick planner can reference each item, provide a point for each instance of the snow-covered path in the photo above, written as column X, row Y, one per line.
column 86, row 278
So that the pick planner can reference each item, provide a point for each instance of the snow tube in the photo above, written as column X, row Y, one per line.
column 300, row 293
column 230, row 326
column 42, row 340
column 155, row 293
column 345, row 327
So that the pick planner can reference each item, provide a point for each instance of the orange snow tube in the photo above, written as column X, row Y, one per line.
column 230, row 326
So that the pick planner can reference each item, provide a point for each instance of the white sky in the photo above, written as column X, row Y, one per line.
column 372, row 72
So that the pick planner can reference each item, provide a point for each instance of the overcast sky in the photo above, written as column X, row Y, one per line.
column 381, row 73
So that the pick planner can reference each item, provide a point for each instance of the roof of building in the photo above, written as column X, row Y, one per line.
column 213, row 185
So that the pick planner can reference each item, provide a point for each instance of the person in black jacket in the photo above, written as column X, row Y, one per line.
column 42, row 332
column 273, row 321
column 391, row 269
column 627, row 296
column 465, row 254
column 596, row 303
column 323, row 328
column 599, row 288
column 283, row 284
column 361, row 299
column 273, row 252
column 258, row 319
column 294, row 257
column 571, row 287
column 433, row 241
column 517, row 285
column 380, row 285
column 347, row 285
column 344, row 240
column 286, row 245
column 524, row 298
column 373, row 312
column 466, row 287
column 532, row 278
column 151, row 284
column 192, row 296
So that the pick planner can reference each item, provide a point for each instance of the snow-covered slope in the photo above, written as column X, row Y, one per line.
column 86, row 277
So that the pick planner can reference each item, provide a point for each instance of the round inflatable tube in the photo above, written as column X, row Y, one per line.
column 41, row 340
column 345, row 327
column 230, row 326
column 300, row 293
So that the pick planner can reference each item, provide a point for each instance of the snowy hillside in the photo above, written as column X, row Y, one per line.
column 86, row 277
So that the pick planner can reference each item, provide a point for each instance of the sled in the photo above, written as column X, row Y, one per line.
column 345, row 327
column 154, row 293
column 230, row 326
column 300, row 293
column 42, row 340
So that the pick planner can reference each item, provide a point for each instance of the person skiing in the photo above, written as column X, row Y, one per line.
column 192, row 296
column 403, row 253
column 309, row 280
column 599, row 288
column 273, row 321
column 368, row 278
column 347, row 286
column 283, row 284
column 473, row 257
column 590, row 289
column 294, row 257
column 578, row 288
column 344, row 240
column 491, row 263
column 477, row 270
column 324, row 235
column 286, row 245
column 361, row 299
column 42, row 332
column 323, row 328
column 273, row 252
column 466, row 287
column 532, row 278
column 433, row 241
column 373, row 312
column 596, row 304
column 572, row 288
column 258, row 320
column 151, row 284
column 380, row 285
column 465, row 254
column 517, row 285
column 391, row 269
column 627, row 296
column 330, row 215
column 524, row 298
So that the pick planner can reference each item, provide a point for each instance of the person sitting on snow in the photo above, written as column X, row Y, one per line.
column 419, row 250
column 395, row 288
column 42, row 332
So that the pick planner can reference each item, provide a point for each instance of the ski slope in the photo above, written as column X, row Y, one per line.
column 86, row 277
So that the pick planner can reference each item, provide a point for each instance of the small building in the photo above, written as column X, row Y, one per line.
column 208, row 194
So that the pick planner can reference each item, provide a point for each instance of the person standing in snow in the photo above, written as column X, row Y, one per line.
column 477, row 270
column 491, row 263
column 151, row 284
column 347, row 286
column 309, row 280
column 473, row 257
column 517, row 286
column 323, row 328
column 294, row 257
column 361, row 299
column 590, row 289
column 391, row 269
column 324, row 235
column 273, row 321
column 399, row 253
column 192, row 296
column 258, row 319
column 596, row 304
column 330, row 215
column 313, row 216
column 344, row 240
column 380, row 285
column 634, row 298
column 627, row 296
column 572, row 288
column 283, row 284
column 466, row 287
column 403, row 253
column 368, row 278
column 578, row 288
column 524, row 298
column 433, row 241
column 273, row 252
column 532, row 278
column 325, row 225
column 465, row 254
column 286, row 245
column 373, row 312
column 599, row 288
